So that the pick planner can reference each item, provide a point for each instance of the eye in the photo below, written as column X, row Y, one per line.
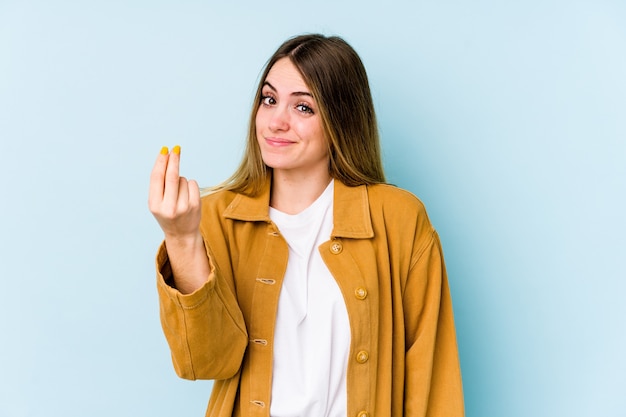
column 267, row 100
column 304, row 108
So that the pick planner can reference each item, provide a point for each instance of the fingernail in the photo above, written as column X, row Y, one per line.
column 176, row 150
column 164, row 150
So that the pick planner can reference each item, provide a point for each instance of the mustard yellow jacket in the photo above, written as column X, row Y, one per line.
column 387, row 260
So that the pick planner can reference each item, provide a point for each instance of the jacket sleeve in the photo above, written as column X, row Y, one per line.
column 205, row 330
column 433, row 386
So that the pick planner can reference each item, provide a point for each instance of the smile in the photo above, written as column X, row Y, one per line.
column 279, row 142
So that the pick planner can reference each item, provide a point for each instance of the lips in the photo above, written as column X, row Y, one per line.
column 278, row 141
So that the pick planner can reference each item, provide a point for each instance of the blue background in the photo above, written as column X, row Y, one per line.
column 507, row 118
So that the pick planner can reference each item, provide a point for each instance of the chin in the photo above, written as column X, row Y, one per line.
column 276, row 164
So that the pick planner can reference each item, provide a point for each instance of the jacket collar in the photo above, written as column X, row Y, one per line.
column 351, row 210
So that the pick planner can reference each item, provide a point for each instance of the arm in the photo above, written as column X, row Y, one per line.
column 433, row 385
column 205, row 330
column 175, row 203
column 200, row 315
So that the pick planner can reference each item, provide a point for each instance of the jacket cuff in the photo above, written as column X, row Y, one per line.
column 165, row 282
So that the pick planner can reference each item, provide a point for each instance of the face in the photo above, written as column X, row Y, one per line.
column 288, row 126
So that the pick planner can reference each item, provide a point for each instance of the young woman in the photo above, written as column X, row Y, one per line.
column 304, row 285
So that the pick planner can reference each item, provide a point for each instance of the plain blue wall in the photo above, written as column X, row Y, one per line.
column 507, row 118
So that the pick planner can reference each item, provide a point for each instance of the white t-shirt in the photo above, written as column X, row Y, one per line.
column 312, row 336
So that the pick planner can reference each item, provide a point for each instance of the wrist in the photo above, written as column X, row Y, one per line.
column 183, row 241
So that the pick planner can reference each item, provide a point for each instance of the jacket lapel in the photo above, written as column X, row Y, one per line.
column 251, row 209
column 351, row 211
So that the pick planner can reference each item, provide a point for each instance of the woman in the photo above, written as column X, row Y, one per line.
column 304, row 285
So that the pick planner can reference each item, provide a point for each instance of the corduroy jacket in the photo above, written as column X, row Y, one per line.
column 387, row 261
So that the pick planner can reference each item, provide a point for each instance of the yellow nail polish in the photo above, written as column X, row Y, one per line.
column 176, row 150
column 164, row 150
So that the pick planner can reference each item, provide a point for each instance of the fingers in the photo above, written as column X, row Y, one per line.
column 188, row 196
column 172, row 178
column 174, row 201
column 170, row 194
column 194, row 193
column 182, row 203
column 157, row 178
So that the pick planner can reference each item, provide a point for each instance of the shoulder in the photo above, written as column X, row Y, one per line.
column 393, row 199
column 399, row 211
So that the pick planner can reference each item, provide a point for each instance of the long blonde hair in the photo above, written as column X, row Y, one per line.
column 338, row 81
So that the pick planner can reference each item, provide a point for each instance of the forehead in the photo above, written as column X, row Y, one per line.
column 285, row 76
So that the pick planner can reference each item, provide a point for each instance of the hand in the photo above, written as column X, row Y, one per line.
column 173, row 200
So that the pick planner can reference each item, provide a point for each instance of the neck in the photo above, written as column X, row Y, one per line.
column 292, row 195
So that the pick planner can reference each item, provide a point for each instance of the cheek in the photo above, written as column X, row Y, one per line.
column 321, row 137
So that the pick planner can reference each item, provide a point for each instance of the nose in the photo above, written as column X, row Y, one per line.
column 279, row 119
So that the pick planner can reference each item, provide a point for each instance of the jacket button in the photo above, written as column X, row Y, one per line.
column 362, row 357
column 336, row 248
column 363, row 414
column 360, row 293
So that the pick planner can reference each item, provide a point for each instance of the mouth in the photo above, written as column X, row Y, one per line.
column 272, row 141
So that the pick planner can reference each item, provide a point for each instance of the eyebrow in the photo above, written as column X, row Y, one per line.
column 295, row 93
